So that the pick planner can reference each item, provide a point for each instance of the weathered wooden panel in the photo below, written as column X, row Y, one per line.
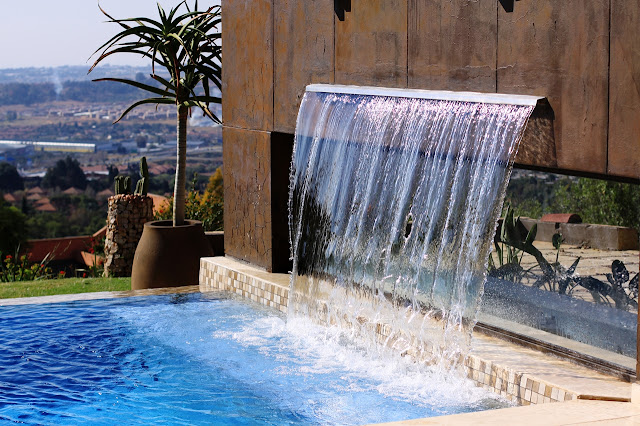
column 559, row 49
column 247, row 73
column 247, row 195
column 303, row 54
column 538, row 145
column 371, row 44
column 453, row 45
column 624, row 101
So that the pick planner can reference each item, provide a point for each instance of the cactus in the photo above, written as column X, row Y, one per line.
column 143, row 183
column 127, row 185
column 123, row 184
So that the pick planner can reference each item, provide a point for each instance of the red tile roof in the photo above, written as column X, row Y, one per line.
column 67, row 248
column 35, row 190
column 160, row 202
column 72, row 191
column 46, row 207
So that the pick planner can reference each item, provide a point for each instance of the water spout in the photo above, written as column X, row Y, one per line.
column 394, row 198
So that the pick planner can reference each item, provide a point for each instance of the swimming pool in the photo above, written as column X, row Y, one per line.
column 203, row 359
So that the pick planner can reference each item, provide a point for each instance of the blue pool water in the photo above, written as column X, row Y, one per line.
column 204, row 359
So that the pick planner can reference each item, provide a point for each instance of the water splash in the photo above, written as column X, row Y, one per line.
column 393, row 206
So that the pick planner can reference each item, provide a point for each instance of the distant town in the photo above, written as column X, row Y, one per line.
column 72, row 121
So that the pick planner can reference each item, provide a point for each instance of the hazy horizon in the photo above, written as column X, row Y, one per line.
column 42, row 33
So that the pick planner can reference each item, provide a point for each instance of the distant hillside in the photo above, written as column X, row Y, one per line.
column 38, row 85
column 57, row 75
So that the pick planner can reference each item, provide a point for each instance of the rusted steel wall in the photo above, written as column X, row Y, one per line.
column 582, row 55
column 247, row 75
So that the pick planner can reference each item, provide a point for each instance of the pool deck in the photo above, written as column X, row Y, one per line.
column 566, row 413
column 39, row 300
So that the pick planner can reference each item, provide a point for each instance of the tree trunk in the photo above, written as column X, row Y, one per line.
column 179, row 191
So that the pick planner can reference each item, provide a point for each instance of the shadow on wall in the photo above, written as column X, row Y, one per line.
column 507, row 5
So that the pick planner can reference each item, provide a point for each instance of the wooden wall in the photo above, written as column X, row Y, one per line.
column 582, row 55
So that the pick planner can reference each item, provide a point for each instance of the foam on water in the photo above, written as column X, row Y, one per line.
column 304, row 360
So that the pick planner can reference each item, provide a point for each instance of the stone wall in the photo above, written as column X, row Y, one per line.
column 125, row 222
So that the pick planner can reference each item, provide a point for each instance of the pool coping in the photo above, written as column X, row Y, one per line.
column 519, row 374
column 568, row 413
column 61, row 298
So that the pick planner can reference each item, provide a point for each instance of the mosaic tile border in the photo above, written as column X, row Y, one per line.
column 216, row 277
column 521, row 388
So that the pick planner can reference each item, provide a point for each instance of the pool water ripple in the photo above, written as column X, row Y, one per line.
column 202, row 359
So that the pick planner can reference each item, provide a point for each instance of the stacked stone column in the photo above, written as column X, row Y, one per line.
column 125, row 222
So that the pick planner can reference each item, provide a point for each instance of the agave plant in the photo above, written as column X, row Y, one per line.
column 187, row 45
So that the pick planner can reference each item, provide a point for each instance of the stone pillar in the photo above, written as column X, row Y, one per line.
column 125, row 221
column 256, row 192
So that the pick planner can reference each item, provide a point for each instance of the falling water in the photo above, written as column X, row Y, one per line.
column 393, row 206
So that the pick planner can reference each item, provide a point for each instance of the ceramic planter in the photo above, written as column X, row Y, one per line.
column 169, row 256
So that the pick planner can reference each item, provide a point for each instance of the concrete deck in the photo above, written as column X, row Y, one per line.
column 566, row 413
column 96, row 295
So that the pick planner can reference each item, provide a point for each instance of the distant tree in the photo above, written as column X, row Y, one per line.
column 26, row 94
column 10, row 180
column 161, row 184
column 113, row 172
column 75, row 215
column 214, row 191
column 65, row 174
column 13, row 229
column 141, row 141
column 12, row 115
column 532, row 196
column 600, row 201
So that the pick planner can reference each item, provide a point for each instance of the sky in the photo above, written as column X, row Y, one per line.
column 48, row 33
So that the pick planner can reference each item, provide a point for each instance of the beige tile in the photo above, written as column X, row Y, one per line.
column 557, row 414
column 561, row 394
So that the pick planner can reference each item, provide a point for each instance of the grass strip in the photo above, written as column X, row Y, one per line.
column 62, row 286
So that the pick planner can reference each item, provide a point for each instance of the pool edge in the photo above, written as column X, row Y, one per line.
column 97, row 295
column 530, row 378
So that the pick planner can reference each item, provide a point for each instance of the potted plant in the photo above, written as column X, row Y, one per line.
column 186, row 44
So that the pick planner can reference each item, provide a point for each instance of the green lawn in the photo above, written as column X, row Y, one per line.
column 62, row 286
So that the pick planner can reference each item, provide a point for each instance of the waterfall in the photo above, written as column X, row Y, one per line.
column 393, row 206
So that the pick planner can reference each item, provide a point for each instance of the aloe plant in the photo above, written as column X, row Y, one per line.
column 187, row 45
column 514, row 239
